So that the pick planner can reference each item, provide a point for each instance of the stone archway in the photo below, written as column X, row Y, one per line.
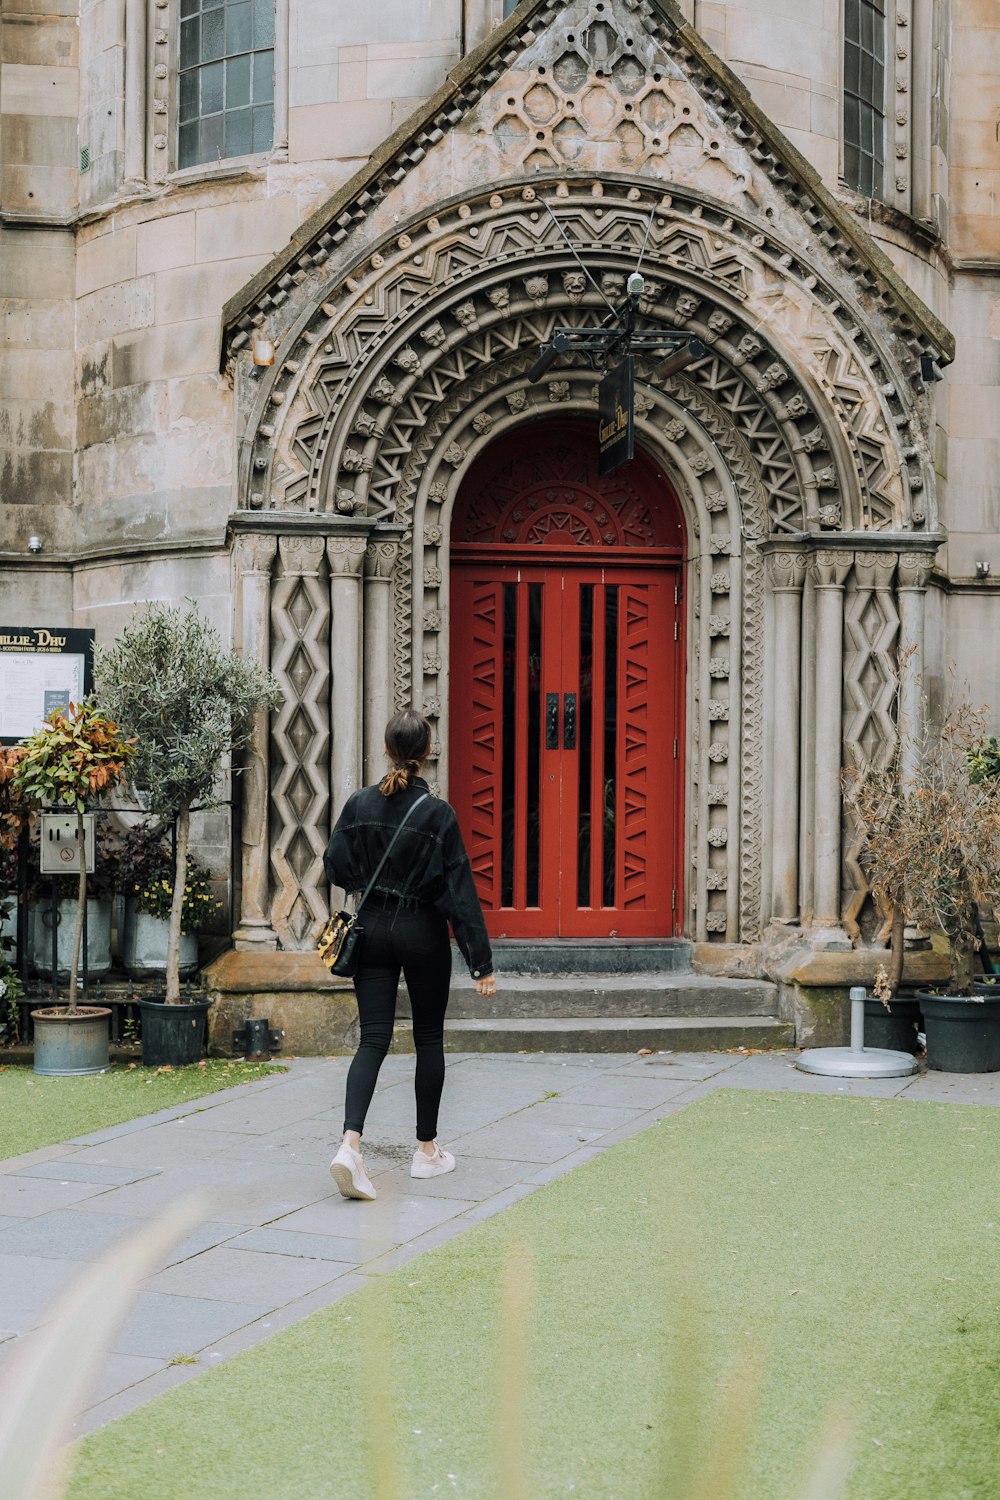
column 796, row 446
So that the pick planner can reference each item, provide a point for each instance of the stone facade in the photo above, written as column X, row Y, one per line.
column 407, row 243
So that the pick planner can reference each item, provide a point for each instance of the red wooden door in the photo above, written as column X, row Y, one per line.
column 567, row 689
column 565, row 766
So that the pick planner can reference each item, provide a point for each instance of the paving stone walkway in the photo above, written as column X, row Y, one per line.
column 281, row 1242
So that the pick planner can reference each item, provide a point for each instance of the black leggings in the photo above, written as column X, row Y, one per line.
column 413, row 938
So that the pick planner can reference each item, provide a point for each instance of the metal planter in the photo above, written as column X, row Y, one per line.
column 144, row 945
column 98, row 938
column 67, row 1044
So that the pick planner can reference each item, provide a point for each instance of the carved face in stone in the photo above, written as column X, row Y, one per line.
column 574, row 284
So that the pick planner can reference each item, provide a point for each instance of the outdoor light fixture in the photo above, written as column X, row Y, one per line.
column 681, row 358
column 263, row 351
column 982, row 570
column 35, row 544
column 930, row 370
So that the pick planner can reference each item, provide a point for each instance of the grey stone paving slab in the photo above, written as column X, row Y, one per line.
column 122, row 1372
column 16, row 1164
column 781, row 1076
column 76, row 1171
column 204, row 1237
column 172, row 1144
column 954, row 1088
column 265, row 1112
column 627, row 1091
column 163, row 1326
column 553, row 1169
column 64, row 1235
column 27, row 1285
column 544, row 1133
column 310, row 1246
column 691, row 1065
column 27, row 1197
column 474, row 1177
column 243, row 1193
column 246, row 1276
column 7, row 1221
column 390, row 1219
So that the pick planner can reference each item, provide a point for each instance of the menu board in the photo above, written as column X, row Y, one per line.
column 41, row 668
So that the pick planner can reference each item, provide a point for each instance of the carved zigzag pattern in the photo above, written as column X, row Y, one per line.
column 871, row 623
column 300, row 739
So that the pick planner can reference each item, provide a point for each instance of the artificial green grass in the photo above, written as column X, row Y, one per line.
column 39, row 1111
column 850, row 1245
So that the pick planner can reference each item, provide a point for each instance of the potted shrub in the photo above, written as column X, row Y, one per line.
column 148, row 903
column 932, row 850
column 74, row 758
column 189, row 704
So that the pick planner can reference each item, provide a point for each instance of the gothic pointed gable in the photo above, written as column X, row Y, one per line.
column 612, row 89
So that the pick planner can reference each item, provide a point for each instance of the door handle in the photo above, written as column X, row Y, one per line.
column 552, row 721
column 569, row 722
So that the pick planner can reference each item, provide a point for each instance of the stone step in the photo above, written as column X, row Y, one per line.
column 523, row 996
column 609, row 1034
column 589, row 955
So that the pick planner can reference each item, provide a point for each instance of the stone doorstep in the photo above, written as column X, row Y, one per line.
column 616, row 995
column 610, row 1034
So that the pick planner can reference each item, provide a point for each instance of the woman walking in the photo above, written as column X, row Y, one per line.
column 425, row 883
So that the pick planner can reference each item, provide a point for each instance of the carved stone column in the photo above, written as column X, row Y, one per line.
column 913, row 571
column 786, row 572
column 829, row 572
column 380, row 558
column 346, row 557
column 254, row 559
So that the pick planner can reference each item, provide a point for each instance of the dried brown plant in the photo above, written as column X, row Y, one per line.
column 932, row 840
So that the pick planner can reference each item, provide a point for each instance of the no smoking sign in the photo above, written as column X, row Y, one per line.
column 60, row 841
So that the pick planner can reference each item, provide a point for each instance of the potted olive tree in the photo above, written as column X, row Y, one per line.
column 189, row 703
column 77, row 755
column 932, row 851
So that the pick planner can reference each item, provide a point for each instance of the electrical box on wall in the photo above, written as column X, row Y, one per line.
column 60, row 839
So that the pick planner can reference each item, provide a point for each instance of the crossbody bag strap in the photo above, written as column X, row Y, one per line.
column 392, row 844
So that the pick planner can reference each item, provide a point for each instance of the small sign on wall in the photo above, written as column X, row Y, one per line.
column 60, row 843
column 42, row 667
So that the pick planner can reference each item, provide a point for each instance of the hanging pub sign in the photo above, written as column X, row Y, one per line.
column 41, row 668
column 616, row 433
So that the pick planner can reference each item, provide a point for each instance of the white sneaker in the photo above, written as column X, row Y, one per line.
column 348, row 1171
column 432, row 1166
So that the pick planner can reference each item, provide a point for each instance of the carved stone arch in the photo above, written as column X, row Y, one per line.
column 397, row 315
column 724, row 504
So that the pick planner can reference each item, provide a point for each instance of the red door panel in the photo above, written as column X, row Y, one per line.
column 565, row 726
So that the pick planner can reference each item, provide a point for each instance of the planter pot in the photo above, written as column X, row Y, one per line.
column 963, row 1032
column 172, row 1035
column 895, row 1028
column 98, row 938
column 144, row 945
column 66, row 1044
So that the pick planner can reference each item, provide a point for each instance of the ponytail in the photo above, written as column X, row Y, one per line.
column 400, row 778
column 407, row 744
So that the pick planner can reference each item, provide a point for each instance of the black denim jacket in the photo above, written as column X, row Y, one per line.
column 429, row 862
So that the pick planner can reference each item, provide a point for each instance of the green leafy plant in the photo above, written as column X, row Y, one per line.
column 189, row 703
column 932, row 841
column 156, row 897
column 75, row 757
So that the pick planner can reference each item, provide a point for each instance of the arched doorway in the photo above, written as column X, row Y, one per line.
column 567, row 685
